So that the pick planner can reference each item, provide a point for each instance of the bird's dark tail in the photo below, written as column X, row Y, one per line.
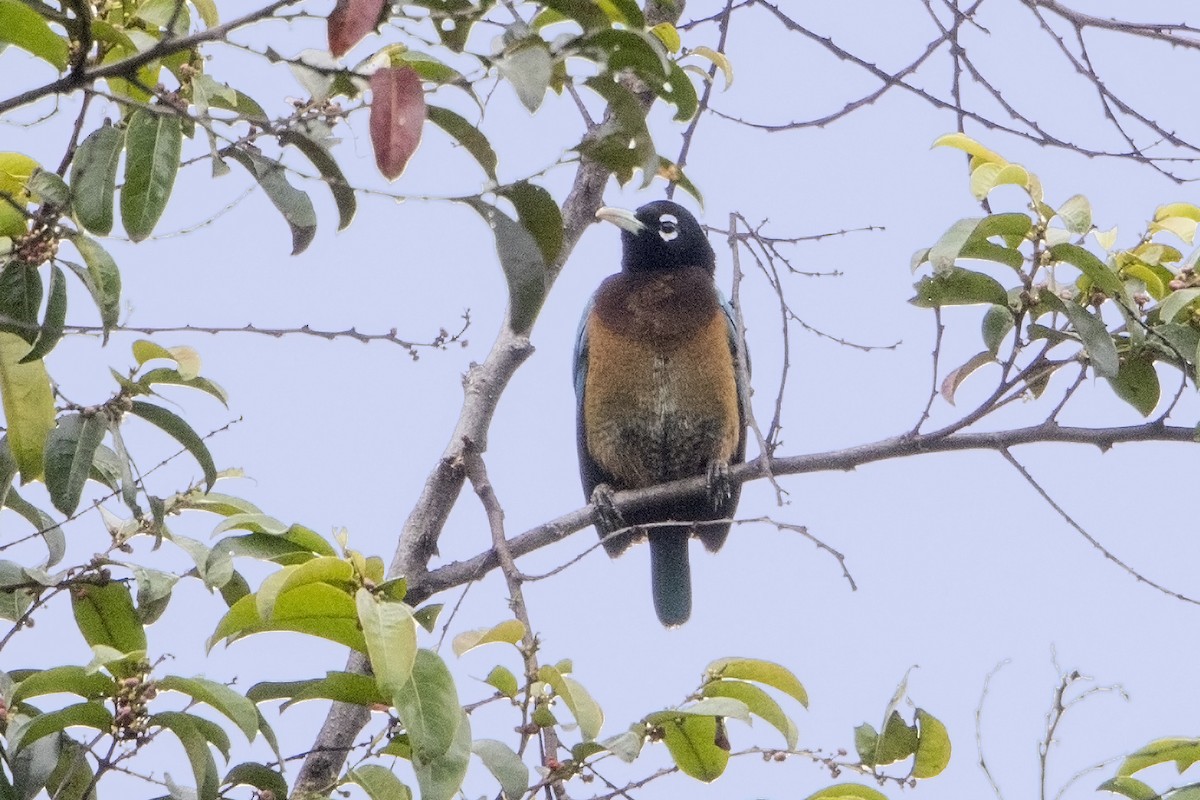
column 670, row 575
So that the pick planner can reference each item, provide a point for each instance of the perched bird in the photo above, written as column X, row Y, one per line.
column 659, row 394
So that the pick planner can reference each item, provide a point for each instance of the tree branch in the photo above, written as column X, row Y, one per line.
column 460, row 572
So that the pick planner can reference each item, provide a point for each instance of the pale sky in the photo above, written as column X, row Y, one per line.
column 959, row 564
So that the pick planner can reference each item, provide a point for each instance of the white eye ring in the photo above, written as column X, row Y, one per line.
column 668, row 227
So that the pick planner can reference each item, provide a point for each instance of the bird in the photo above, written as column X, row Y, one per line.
column 659, row 395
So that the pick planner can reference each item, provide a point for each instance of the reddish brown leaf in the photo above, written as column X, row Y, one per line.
column 350, row 21
column 397, row 116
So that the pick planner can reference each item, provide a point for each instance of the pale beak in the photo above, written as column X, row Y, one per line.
column 625, row 220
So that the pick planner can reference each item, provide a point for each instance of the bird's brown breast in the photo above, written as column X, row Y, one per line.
column 661, row 398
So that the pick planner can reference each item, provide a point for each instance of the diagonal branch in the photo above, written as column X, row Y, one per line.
column 460, row 572
column 128, row 66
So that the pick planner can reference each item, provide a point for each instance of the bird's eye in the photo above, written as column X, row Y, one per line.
column 668, row 227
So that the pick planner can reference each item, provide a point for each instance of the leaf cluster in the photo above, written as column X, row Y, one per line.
column 1052, row 302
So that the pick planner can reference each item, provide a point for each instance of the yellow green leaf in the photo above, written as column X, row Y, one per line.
column 719, row 59
column 960, row 141
column 666, row 33
column 1178, row 210
column 933, row 746
column 27, row 29
column 28, row 405
column 510, row 631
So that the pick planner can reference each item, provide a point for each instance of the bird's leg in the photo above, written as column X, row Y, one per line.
column 720, row 489
column 607, row 515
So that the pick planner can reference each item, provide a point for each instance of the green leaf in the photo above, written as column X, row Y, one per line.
column 997, row 322
column 767, row 673
column 707, row 707
column 343, row 193
column 539, row 214
column 13, row 602
column 958, row 286
column 238, row 709
column 153, row 592
column 31, row 766
column 693, row 744
column 668, row 34
column 587, row 712
column 621, row 49
column 165, row 375
column 379, row 783
column 960, row 141
column 207, row 9
column 49, row 189
column 20, row 298
column 1097, row 341
column 503, row 681
column 467, row 135
column 195, row 744
column 848, row 791
column 623, row 12
column 105, row 615
column 933, row 746
column 20, row 25
column 1076, row 214
column 180, row 431
column 102, row 279
column 441, row 778
column 588, row 14
column 68, row 679
column 152, row 143
column 529, row 67
column 259, row 776
column 72, row 778
column 679, row 92
column 70, row 450
column 88, row 715
column 429, row 708
column 523, row 264
column 1183, row 752
column 759, row 703
column 342, row 687
column 968, row 238
column 51, row 330
column 294, row 204
column 866, row 742
column 897, row 742
column 505, row 765
column 252, row 521
column 427, row 615
column 627, row 745
column 391, row 635
column 510, row 631
column 1136, row 382
column 1129, row 787
column 186, row 358
column 624, row 144
column 28, row 406
column 1177, row 301
column 316, row 609
column 1095, row 269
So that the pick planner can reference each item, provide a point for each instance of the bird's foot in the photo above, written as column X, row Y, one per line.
column 607, row 516
column 720, row 488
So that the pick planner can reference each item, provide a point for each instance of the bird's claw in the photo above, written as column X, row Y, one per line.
column 720, row 488
column 607, row 515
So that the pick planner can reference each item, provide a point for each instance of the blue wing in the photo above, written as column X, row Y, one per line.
column 590, row 472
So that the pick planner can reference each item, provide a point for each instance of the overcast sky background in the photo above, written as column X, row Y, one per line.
column 960, row 566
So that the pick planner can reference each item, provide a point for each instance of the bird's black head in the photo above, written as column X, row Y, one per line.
column 660, row 235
